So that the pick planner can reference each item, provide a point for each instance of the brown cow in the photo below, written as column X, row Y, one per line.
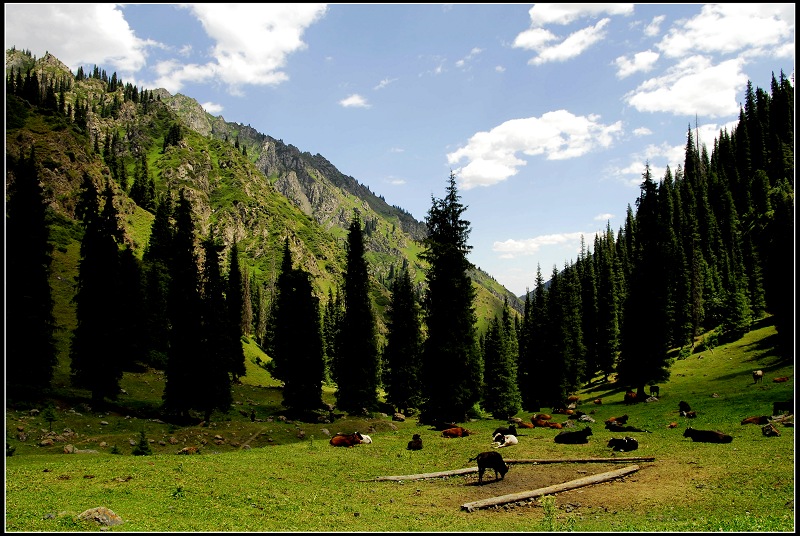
column 620, row 420
column 630, row 397
column 758, row 419
column 415, row 443
column 458, row 431
column 346, row 440
column 780, row 379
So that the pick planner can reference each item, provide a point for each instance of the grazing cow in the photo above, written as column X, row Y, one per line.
column 415, row 443
column 707, row 436
column 780, row 407
column 458, row 431
column 625, row 444
column 683, row 407
column 780, row 379
column 619, row 420
column 758, row 376
column 573, row 438
column 758, row 419
column 505, row 430
column 501, row 440
column 654, row 390
column 630, row 397
column 490, row 460
column 346, row 440
column 770, row 431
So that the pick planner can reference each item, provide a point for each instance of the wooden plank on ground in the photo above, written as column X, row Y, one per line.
column 468, row 470
column 572, row 484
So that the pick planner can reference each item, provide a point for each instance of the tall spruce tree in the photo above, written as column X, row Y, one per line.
column 235, row 323
column 452, row 368
column 220, row 345
column 403, row 352
column 645, row 331
column 156, row 261
column 356, row 361
column 31, row 355
column 501, row 392
column 297, row 353
column 95, row 365
column 184, row 309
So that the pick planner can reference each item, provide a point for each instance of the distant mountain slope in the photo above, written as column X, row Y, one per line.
column 255, row 199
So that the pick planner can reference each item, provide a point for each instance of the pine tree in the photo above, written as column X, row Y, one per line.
column 234, row 299
column 184, row 309
column 220, row 345
column 403, row 351
column 156, row 260
column 452, row 369
column 356, row 360
column 297, row 353
column 31, row 354
column 501, row 393
column 94, row 363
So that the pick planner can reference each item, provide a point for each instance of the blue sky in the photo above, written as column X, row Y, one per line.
column 547, row 113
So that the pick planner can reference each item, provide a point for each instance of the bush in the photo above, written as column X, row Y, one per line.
column 143, row 447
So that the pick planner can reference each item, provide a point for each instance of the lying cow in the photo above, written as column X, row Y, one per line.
column 629, row 398
column 415, row 443
column 770, row 431
column 780, row 379
column 458, row 431
column 623, row 444
column 505, row 430
column 575, row 437
column 366, row 439
column 758, row 419
column 618, row 428
column 619, row 420
column 490, row 460
column 707, row 436
column 683, row 407
column 782, row 406
column 501, row 440
column 346, row 440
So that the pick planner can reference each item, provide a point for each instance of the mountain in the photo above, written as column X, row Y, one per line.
column 246, row 186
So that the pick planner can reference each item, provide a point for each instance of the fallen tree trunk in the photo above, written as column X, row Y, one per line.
column 468, row 470
column 572, row 484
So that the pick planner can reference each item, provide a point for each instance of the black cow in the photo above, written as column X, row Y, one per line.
column 654, row 390
column 415, row 443
column 506, row 430
column 575, row 437
column 614, row 427
column 707, row 436
column 490, row 460
column 625, row 444
column 683, row 407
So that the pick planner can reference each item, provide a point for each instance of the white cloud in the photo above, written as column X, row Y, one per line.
column 604, row 217
column 500, row 69
column 641, row 62
column 212, row 108
column 82, row 34
column 383, row 83
column 397, row 150
column 542, row 14
column 731, row 28
column 511, row 248
column 492, row 156
column 462, row 63
column 574, row 45
column 692, row 86
column 653, row 29
column 642, row 131
column 354, row 101
column 252, row 41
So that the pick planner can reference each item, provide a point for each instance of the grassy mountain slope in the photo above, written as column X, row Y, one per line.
column 255, row 199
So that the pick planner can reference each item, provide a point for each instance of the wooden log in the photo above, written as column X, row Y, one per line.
column 566, row 486
column 464, row 471
column 468, row 470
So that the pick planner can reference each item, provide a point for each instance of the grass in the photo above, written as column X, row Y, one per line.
column 261, row 476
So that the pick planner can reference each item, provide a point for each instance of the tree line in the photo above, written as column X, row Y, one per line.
column 708, row 248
